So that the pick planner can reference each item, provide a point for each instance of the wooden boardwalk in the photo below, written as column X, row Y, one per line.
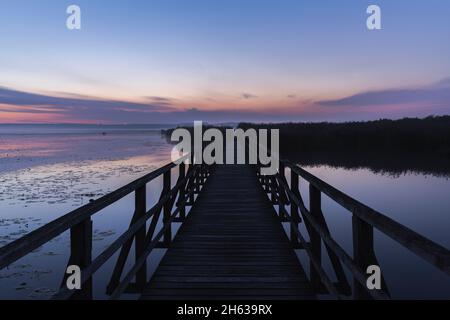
column 231, row 246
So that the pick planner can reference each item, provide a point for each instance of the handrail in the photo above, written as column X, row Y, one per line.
column 88, row 272
column 79, row 222
column 153, row 243
column 21, row 247
column 364, row 220
column 335, row 247
column 432, row 252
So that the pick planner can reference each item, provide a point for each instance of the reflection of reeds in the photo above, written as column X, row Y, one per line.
column 392, row 164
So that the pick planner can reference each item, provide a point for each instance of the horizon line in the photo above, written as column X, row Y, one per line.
column 219, row 123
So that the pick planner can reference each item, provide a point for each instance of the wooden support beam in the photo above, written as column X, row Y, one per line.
column 295, row 216
column 167, row 208
column 81, row 255
column 362, row 246
column 182, row 193
column 273, row 189
column 364, row 256
column 281, row 200
column 140, row 210
column 316, row 242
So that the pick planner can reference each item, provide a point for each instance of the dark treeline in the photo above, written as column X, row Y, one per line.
column 410, row 135
column 384, row 146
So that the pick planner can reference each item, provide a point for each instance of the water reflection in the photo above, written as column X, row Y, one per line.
column 415, row 196
column 393, row 164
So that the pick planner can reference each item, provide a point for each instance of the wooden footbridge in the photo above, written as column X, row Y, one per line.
column 231, row 243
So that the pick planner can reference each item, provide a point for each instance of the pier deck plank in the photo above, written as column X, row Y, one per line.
column 231, row 246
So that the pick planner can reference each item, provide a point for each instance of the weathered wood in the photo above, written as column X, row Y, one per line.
column 154, row 213
column 430, row 251
column 314, row 237
column 281, row 198
column 141, row 208
column 296, row 201
column 151, row 244
column 21, row 247
column 273, row 189
column 167, row 209
column 362, row 247
column 182, row 175
column 295, row 221
column 317, row 265
column 81, row 255
column 226, row 247
column 364, row 256
column 123, row 255
column 311, row 223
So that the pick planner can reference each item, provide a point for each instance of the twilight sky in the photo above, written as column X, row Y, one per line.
column 171, row 61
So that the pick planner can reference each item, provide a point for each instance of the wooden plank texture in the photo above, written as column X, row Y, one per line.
column 231, row 246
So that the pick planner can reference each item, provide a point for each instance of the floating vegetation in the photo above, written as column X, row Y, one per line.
column 101, row 235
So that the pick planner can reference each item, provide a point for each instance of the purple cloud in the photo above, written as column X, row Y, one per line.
column 247, row 96
column 438, row 93
column 75, row 103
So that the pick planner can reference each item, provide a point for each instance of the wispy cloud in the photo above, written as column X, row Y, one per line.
column 247, row 96
column 71, row 102
column 68, row 107
column 437, row 93
column 163, row 101
column 78, row 108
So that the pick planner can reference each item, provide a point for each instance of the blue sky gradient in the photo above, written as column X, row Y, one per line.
column 253, row 60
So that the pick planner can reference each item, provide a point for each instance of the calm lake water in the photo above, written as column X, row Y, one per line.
column 418, row 201
column 47, row 171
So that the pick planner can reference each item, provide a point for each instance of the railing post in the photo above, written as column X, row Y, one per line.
column 167, row 209
column 81, row 255
column 191, row 185
column 295, row 217
column 316, row 243
column 181, row 200
column 197, row 179
column 203, row 170
column 273, row 191
column 362, row 250
column 281, row 206
column 140, row 211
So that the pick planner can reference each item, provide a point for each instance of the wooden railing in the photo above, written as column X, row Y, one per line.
column 171, row 204
column 364, row 220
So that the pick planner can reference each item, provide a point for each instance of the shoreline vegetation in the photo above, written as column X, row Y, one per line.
column 383, row 146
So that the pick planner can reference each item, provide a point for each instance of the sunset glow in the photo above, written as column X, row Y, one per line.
column 169, row 61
